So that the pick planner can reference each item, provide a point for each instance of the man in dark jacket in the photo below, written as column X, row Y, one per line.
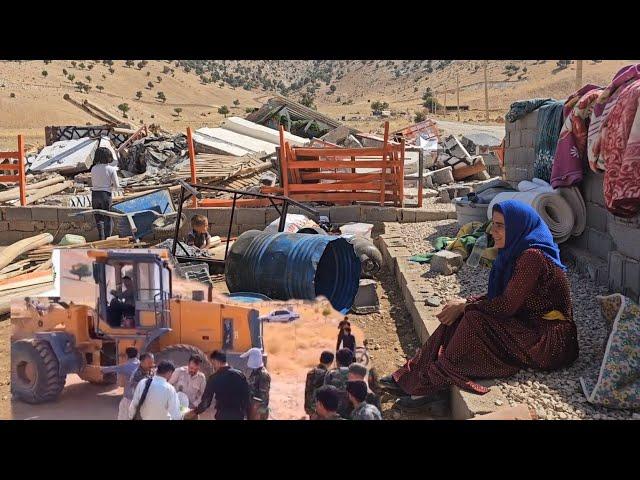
column 230, row 388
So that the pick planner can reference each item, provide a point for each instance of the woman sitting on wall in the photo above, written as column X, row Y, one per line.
column 524, row 321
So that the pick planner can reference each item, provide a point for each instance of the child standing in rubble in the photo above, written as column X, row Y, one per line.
column 104, row 180
column 199, row 236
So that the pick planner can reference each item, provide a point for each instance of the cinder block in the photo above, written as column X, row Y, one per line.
column 616, row 271
column 527, row 138
column 45, row 214
column 407, row 215
column 599, row 243
column 626, row 239
column 22, row 226
column 18, row 213
column 510, row 156
column 526, row 156
column 631, row 278
column 250, row 216
column 4, row 226
column 593, row 187
column 51, row 226
column 13, row 236
column 219, row 216
column 530, row 121
column 380, row 214
column 245, row 228
column 430, row 215
column 346, row 214
column 65, row 215
column 596, row 216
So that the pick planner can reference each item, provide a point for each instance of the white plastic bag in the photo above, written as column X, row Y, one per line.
column 292, row 224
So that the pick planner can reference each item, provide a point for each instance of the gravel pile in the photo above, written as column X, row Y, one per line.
column 554, row 395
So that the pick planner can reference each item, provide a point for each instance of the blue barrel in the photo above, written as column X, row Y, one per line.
column 288, row 266
column 245, row 297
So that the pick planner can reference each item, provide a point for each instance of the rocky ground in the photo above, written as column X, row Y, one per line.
column 554, row 395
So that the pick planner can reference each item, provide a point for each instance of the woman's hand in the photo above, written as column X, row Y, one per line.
column 452, row 311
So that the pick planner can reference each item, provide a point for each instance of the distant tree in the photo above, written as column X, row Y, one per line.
column 159, row 78
column 124, row 108
column 71, row 77
column 88, row 77
column 178, row 110
column 44, row 73
column 12, row 95
column 166, row 70
column 108, row 62
column 129, row 63
column 81, row 270
column 148, row 73
column 47, row 62
column 90, row 66
column 307, row 100
column 223, row 110
column 139, row 94
column 419, row 117
column 112, row 70
column 187, row 69
column 104, row 77
column 140, row 65
column 161, row 96
column 81, row 66
column 378, row 106
column 236, row 102
column 332, row 88
column 64, row 72
column 73, row 64
column 248, row 110
column 150, row 85
column 99, row 88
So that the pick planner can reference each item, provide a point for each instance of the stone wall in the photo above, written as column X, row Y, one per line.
column 17, row 223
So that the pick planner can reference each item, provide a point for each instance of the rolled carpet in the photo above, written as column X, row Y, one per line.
column 573, row 196
column 552, row 207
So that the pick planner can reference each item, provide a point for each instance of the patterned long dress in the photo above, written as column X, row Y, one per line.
column 495, row 338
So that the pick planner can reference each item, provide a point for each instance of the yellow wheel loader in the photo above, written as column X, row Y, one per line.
column 74, row 338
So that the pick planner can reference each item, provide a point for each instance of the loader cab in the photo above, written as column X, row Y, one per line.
column 134, row 289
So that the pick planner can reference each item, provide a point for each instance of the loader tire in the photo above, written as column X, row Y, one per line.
column 35, row 376
column 179, row 355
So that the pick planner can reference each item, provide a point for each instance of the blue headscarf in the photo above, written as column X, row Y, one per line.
column 524, row 229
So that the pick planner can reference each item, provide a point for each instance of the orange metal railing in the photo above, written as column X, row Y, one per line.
column 15, row 165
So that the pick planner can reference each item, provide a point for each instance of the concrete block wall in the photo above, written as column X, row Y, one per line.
column 609, row 239
column 519, row 154
column 17, row 223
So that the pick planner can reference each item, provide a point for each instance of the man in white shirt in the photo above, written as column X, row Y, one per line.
column 190, row 380
column 161, row 400
column 104, row 180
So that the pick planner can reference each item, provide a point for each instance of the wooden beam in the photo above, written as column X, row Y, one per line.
column 46, row 191
column 23, row 246
column 14, row 193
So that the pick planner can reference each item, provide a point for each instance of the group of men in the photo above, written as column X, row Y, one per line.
column 164, row 392
column 340, row 393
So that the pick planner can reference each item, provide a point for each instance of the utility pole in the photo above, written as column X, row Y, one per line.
column 486, row 94
column 445, row 99
column 578, row 74
column 458, row 93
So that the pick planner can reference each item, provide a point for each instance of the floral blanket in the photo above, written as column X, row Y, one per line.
column 616, row 384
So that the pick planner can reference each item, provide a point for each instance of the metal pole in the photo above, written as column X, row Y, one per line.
column 177, row 231
column 192, row 162
column 233, row 209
